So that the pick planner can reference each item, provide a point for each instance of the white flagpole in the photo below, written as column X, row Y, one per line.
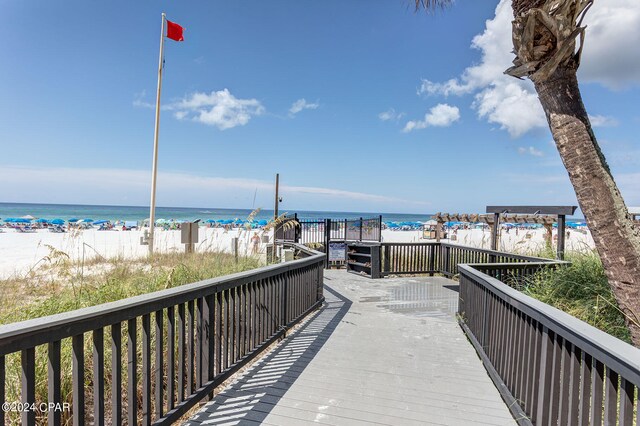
column 154, row 173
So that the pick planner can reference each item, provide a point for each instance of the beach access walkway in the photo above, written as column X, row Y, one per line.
column 386, row 351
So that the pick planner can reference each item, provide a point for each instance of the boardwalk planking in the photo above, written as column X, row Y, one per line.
column 379, row 352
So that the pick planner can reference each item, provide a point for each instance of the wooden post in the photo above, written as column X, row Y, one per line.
column 380, row 229
column 561, row 234
column 361, row 223
column 495, row 231
column 438, row 230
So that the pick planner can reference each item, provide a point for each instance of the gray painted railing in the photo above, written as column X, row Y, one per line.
column 444, row 258
column 180, row 344
column 550, row 367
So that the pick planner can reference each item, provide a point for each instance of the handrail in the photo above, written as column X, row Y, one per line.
column 499, row 253
column 550, row 367
column 199, row 334
column 66, row 324
column 443, row 258
column 615, row 353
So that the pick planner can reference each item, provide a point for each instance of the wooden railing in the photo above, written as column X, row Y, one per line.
column 550, row 367
column 180, row 344
column 444, row 258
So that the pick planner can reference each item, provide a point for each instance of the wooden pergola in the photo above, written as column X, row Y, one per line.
column 543, row 215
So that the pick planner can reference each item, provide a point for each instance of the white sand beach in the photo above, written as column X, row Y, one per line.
column 22, row 252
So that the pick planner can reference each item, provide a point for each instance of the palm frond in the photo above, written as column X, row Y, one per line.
column 431, row 5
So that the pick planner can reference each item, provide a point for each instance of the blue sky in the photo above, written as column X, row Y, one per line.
column 361, row 106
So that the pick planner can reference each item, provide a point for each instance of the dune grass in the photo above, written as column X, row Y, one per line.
column 63, row 286
column 580, row 289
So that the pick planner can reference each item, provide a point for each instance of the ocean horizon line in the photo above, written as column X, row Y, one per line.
column 15, row 203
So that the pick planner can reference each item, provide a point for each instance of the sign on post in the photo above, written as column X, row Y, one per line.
column 337, row 252
column 189, row 235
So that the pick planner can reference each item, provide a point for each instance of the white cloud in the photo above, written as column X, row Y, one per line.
column 390, row 114
column 301, row 104
column 441, row 115
column 180, row 114
column 530, row 151
column 610, row 57
column 603, row 121
column 220, row 109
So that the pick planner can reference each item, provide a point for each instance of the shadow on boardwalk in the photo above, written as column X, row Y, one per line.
column 250, row 399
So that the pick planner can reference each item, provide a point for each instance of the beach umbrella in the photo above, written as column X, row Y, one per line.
column 42, row 220
column 28, row 217
column 87, row 220
column 210, row 221
column 100, row 222
column 21, row 220
column 73, row 220
column 57, row 222
column 262, row 222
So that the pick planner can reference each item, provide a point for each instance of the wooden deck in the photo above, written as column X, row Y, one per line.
column 383, row 351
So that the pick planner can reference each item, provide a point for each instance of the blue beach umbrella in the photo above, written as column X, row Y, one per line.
column 57, row 222
column 73, row 220
column 262, row 222
column 42, row 220
column 87, row 220
column 100, row 222
column 21, row 220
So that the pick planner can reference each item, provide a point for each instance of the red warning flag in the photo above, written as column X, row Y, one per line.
column 174, row 31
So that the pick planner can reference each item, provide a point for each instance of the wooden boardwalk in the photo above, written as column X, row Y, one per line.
column 383, row 351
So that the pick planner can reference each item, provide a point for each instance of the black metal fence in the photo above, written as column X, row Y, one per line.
column 179, row 344
column 319, row 231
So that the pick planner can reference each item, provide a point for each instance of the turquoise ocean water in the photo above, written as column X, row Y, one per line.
column 113, row 213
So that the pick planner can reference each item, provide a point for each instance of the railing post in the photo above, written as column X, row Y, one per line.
column 386, row 269
column 320, row 292
column 285, row 300
column 447, row 260
column 431, row 252
column 327, row 240
column 380, row 229
column 485, row 316
column 361, row 229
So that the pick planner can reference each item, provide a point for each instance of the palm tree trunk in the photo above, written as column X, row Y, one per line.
column 616, row 238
